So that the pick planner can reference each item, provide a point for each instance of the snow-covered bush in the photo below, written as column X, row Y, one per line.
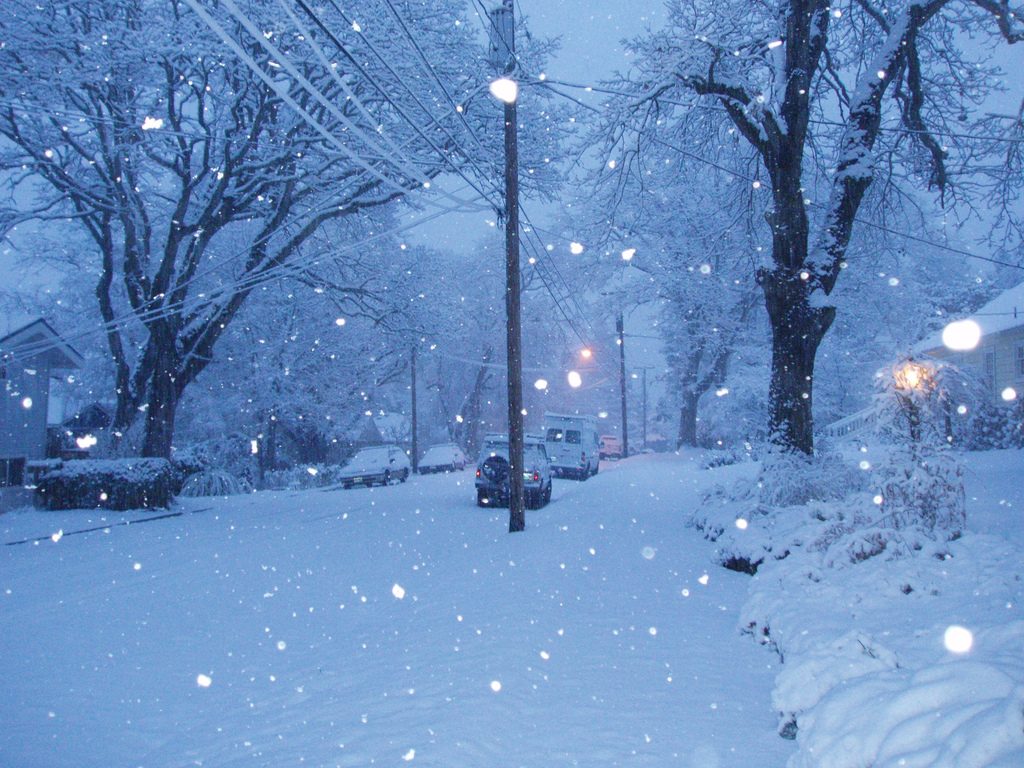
column 924, row 488
column 303, row 476
column 791, row 478
column 117, row 484
column 724, row 457
column 920, row 482
column 214, row 482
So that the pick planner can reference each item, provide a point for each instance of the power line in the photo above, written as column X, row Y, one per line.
column 864, row 222
column 277, row 88
column 816, row 121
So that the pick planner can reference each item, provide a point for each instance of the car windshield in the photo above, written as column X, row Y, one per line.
column 369, row 458
column 440, row 453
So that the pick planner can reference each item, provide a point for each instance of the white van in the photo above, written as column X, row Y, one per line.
column 572, row 445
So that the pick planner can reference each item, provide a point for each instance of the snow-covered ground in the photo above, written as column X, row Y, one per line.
column 404, row 625
column 384, row 626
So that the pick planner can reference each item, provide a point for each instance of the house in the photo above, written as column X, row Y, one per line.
column 999, row 356
column 31, row 353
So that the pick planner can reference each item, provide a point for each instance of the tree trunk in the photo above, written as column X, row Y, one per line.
column 797, row 330
column 688, row 420
column 162, row 403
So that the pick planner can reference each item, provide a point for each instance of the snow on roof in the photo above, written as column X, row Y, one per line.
column 1005, row 311
column 32, row 336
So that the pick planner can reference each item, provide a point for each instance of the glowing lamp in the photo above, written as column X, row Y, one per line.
column 504, row 89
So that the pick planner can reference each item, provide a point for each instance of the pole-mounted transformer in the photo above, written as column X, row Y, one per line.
column 502, row 47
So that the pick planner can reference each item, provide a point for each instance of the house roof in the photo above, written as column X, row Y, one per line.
column 31, row 337
column 1005, row 311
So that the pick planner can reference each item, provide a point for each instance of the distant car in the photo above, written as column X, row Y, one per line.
column 376, row 466
column 444, row 457
column 610, row 447
column 492, row 473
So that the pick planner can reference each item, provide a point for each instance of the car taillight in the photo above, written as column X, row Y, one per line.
column 536, row 477
column 478, row 473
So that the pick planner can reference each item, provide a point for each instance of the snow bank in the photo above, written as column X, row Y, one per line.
column 906, row 653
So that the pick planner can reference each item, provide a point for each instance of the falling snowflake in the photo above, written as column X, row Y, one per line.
column 958, row 639
column 398, row 591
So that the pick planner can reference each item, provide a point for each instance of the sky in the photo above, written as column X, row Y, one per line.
column 590, row 35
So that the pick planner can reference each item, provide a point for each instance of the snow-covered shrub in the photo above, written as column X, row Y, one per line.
column 984, row 427
column 725, row 457
column 920, row 482
column 1015, row 424
column 214, row 482
column 923, row 487
column 117, row 484
column 189, row 461
column 303, row 476
column 792, row 478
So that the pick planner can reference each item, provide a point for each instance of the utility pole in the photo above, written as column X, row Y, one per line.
column 503, row 46
column 643, row 431
column 415, row 444
column 622, row 382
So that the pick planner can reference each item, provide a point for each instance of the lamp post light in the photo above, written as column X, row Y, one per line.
column 911, row 379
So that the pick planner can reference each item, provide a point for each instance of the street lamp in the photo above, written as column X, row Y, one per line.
column 911, row 379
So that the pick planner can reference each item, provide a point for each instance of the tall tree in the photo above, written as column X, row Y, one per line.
column 830, row 97
column 200, row 147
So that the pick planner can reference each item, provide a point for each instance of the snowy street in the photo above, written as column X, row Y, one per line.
column 375, row 627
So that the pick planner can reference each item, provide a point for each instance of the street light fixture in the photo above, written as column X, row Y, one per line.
column 504, row 89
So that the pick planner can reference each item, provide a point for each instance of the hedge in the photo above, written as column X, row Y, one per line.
column 117, row 484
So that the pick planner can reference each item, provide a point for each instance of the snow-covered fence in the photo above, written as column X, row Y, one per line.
column 853, row 424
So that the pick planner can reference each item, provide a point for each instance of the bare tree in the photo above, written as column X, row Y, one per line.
column 200, row 147
column 831, row 97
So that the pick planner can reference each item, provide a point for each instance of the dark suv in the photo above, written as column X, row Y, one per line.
column 492, row 473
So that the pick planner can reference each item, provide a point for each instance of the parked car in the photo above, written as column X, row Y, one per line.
column 443, row 457
column 610, row 447
column 572, row 445
column 377, row 465
column 492, row 473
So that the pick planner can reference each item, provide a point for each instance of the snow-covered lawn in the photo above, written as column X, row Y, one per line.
column 404, row 625
column 382, row 627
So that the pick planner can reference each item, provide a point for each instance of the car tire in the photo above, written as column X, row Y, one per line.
column 387, row 477
column 405, row 476
column 347, row 486
column 547, row 494
column 481, row 498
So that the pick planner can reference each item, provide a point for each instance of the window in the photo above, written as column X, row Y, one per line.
column 572, row 436
column 990, row 369
column 554, row 435
column 12, row 472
